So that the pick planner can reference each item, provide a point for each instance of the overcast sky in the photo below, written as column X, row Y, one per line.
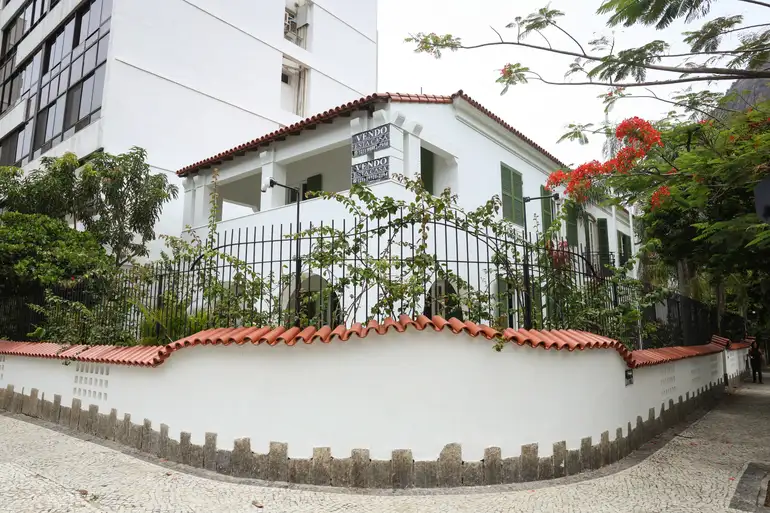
column 538, row 110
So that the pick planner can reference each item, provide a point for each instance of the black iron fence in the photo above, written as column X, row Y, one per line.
column 343, row 273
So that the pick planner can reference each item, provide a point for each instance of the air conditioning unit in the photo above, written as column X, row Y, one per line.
column 290, row 24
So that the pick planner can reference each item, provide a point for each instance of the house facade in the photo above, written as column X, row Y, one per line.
column 446, row 141
column 179, row 78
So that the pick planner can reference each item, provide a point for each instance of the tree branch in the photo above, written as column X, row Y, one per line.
column 634, row 84
column 755, row 2
column 570, row 36
column 734, row 73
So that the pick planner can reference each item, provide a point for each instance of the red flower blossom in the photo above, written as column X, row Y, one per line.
column 659, row 196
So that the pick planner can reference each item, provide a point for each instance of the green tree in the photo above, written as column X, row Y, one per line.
column 37, row 251
column 600, row 62
column 123, row 201
column 115, row 197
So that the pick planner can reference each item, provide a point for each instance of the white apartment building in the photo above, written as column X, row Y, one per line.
column 181, row 78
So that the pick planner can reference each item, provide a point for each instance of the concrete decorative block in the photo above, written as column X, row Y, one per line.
column 473, row 473
column 223, row 461
column 574, row 465
column 84, row 423
column 545, row 468
column 135, row 436
column 18, row 402
column 75, row 414
column 112, row 424
column 511, row 470
column 103, row 428
column 426, row 474
column 64, row 416
column 605, row 449
column 321, row 468
column 299, row 471
column 403, row 468
column 586, row 445
column 529, row 463
column 382, row 473
column 450, row 463
column 641, row 434
column 196, row 456
column 619, row 442
column 163, row 442
column 29, row 403
column 560, row 459
column 210, row 452
column 596, row 456
column 359, row 468
column 93, row 419
column 56, row 408
column 146, row 438
column 122, row 429
column 47, row 408
column 493, row 465
column 172, row 450
column 184, row 449
column 242, row 459
column 278, row 462
column 341, row 470
column 8, row 397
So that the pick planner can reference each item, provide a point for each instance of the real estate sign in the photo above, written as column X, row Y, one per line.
column 372, row 171
column 372, row 140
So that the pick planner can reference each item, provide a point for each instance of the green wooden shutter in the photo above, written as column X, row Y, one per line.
column 518, row 198
column 572, row 226
column 625, row 255
column 620, row 247
column 426, row 169
column 547, row 208
column 506, row 183
column 587, row 233
column 604, row 242
column 314, row 183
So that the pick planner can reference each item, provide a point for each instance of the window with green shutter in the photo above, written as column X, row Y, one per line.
column 426, row 169
column 604, row 242
column 547, row 209
column 624, row 247
column 512, row 194
column 572, row 225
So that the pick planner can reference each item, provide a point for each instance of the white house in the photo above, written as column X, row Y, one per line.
column 180, row 78
column 447, row 141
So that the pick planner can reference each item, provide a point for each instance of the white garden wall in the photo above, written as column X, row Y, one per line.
column 413, row 390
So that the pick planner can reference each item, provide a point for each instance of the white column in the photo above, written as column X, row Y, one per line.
column 412, row 150
column 396, row 150
column 203, row 192
column 272, row 197
column 188, row 215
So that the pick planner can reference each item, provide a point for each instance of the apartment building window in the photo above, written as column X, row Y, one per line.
column 295, row 22
column 293, row 81
column 25, row 20
column 512, row 195
column 63, row 83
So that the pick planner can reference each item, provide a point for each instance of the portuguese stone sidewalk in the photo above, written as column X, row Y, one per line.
column 717, row 464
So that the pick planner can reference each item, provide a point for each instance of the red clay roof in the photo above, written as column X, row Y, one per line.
column 344, row 110
column 152, row 356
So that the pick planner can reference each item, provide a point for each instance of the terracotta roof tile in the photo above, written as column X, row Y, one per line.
column 151, row 356
column 344, row 110
column 739, row 345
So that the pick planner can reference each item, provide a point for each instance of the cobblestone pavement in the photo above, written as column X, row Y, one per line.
column 698, row 470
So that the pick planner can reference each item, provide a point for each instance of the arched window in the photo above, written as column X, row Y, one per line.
column 442, row 299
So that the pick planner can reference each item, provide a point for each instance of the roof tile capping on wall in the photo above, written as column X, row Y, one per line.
column 570, row 340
